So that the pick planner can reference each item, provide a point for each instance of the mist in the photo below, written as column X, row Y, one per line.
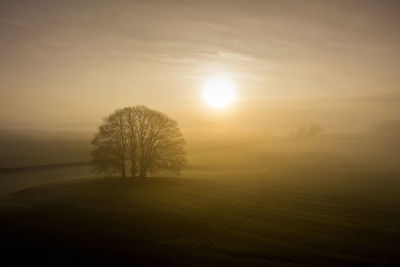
column 200, row 133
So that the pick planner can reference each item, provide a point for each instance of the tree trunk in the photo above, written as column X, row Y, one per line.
column 123, row 172
column 123, row 165
column 133, row 159
column 133, row 168
column 143, row 172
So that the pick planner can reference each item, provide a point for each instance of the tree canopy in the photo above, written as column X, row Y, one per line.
column 137, row 140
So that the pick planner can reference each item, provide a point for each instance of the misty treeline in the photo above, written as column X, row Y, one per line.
column 388, row 129
column 310, row 131
column 136, row 140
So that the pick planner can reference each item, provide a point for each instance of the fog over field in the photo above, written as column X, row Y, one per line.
column 308, row 198
column 200, row 133
column 324, row 200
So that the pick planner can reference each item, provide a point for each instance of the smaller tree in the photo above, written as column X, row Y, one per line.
column 314, row 129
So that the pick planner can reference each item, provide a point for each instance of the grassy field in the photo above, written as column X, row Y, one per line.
column 32, row 147
column 262, row 204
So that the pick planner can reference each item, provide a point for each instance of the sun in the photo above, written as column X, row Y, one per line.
column 219, row 92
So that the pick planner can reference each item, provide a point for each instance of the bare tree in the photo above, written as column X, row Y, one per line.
column 138, row 138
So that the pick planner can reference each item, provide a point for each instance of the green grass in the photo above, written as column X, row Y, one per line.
column 237, row 205
column 12, row 181
column 255, row 220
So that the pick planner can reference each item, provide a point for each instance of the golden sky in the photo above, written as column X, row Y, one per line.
column 67, row 64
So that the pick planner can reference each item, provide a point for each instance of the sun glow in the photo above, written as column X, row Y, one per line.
column 219, row 92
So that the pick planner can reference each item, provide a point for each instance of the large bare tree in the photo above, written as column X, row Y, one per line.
column 138, row 140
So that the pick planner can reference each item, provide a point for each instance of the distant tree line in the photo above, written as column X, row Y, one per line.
column 136, row 140
column 310, row 131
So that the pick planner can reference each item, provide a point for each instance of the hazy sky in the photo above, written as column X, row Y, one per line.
column 69, row 63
